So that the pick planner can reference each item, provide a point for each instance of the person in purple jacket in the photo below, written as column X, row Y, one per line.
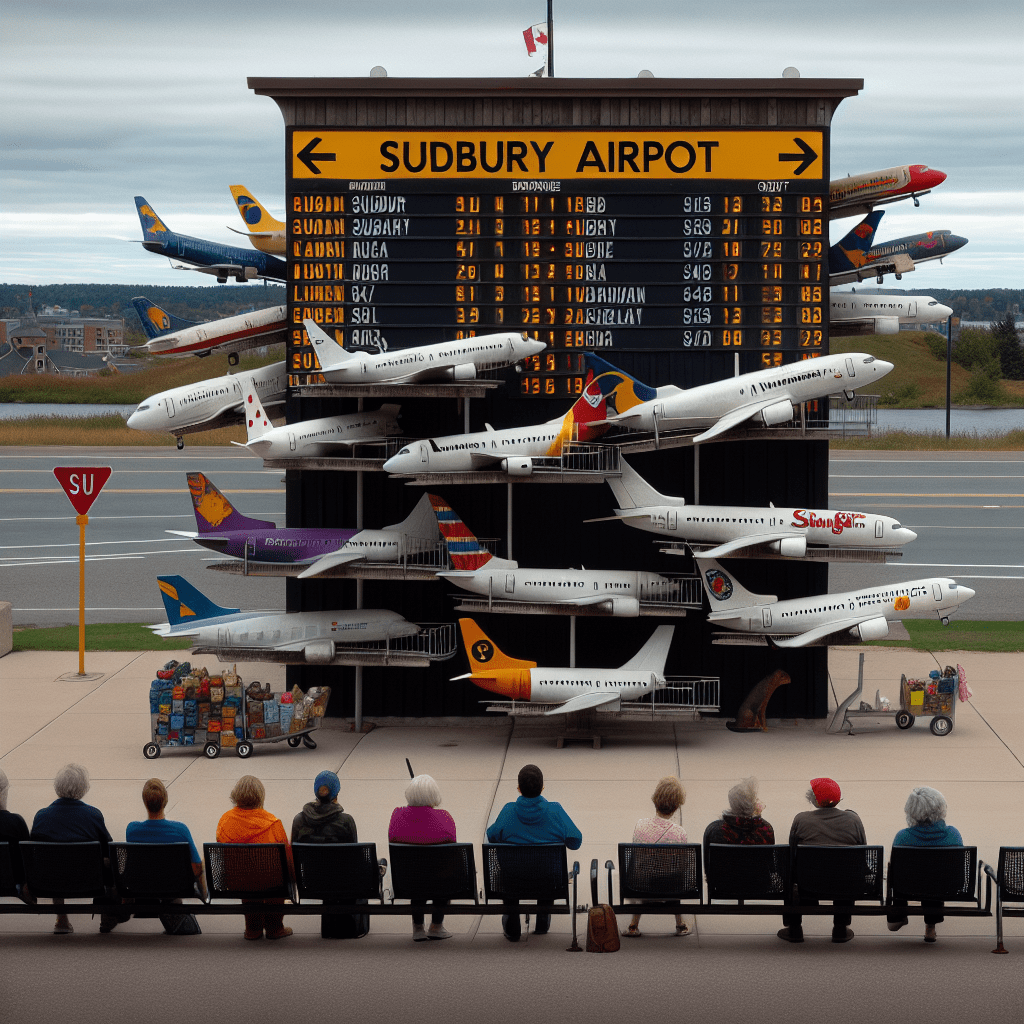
column 926, row 817
column 532, row 819
column 423, row 822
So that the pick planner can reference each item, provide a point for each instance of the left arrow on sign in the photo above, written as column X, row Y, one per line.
column 806, row 156
column 310, row 159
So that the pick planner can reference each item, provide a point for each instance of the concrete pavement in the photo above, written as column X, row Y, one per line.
column 48, row 720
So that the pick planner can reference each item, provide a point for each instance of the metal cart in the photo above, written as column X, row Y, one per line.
column 191, row 735
column 919, row 698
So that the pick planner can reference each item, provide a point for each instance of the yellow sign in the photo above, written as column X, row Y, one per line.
column 637, row 155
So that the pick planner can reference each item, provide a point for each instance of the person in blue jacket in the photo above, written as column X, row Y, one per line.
column 532, row 819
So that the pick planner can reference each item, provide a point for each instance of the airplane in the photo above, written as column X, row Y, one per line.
column 573, row 689
column 212, row 403
column 857, row 194
column 854, row 258
column 222, row 528
column 314, row 634
column 850, row 313
column 448, row 360
column 265, row 232
column 718, row 531
column 223, row 261
column 862, row 614
column 310, row 438
column 616, row 591
column 511, row 450
column 170, row 335
column 761, row 397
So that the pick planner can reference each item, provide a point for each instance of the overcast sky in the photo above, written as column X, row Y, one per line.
column 106, row 99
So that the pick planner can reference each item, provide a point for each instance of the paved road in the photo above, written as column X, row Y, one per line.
column 968, row 510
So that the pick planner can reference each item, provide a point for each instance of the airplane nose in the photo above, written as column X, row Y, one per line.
column 905, row 535
column 954, row 242
column 882, row 367
column 944, row 312
column 964, row 594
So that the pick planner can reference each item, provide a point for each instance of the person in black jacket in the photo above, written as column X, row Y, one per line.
column 12, row 830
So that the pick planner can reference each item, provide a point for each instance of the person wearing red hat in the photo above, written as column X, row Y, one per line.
column 826, row 825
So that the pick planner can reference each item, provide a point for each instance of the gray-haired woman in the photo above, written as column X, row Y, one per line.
column 423, row 822
column 926, row 820
column 69, row 820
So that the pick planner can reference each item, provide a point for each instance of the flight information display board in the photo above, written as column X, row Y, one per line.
column 648, row 240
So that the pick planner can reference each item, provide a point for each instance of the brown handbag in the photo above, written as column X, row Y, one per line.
column 602, row 930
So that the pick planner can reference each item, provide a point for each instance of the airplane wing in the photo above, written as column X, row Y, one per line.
column 820, row 632
column 593, row 699
column 329, row 562
column 208, row 540
column 740, row 543
column 235, row 270
column 899, row 265
column 735, row 418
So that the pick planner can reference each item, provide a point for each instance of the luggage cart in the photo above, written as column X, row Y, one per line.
column 190, row 722
column 919, row 698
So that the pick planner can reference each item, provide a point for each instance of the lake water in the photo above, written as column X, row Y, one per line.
column 28, row 410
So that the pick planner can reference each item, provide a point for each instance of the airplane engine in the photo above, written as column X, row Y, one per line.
column 464, row 371
column 624, row 607
column 780, row 412
column 518, row 466
column 790, row 547
column 320, row 652
column 887, row 325
column 873, row 629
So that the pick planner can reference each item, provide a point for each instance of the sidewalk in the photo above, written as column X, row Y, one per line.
column 979, row 767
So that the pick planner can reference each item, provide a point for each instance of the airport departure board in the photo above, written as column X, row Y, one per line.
column 647, row 240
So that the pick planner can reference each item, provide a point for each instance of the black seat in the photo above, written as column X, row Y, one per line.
column 338, row 872
column 1009, row 879
column 838, row 872
column 63, row 870
column 10, row 873
column 153, row 871
column 946, row 874
column 442, row 871
column 518, row 873
column 660, row 871
column 247, row 871
column 740, row 872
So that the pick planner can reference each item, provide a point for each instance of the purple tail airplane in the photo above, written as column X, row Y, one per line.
column 225, row 530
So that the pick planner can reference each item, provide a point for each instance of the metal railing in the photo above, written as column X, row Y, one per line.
column 852, row 419
column 434, row 642
column 683, row 693
column 685, row 591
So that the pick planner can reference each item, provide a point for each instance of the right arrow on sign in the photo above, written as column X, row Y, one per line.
column 806, row 157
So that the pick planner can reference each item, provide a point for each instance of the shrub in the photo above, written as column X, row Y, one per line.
column 976, row 347
column 982, row 388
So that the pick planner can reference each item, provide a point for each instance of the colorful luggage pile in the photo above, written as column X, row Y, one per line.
column 193, row 708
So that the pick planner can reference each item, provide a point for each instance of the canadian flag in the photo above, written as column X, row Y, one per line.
column 535, row 35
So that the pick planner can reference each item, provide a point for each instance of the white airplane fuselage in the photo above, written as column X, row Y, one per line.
column 772, row 396
column 802, row 528
column 555, row 685
column 232, row 334
column 616, row 591
column 851, row 313
column 912, row 599
column 324, row 436
column 199, row 406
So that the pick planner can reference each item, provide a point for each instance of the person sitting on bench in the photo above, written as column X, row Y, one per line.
column 532, row 819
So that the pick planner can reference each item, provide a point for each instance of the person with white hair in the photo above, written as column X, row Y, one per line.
column 742, row 823
column 422, row 821
column 12, row 831
column 70, row 820
column 925, row 810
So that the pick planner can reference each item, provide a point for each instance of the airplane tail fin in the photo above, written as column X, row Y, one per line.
column 419, row 523
column 214, row 512
column 851, row 252
column 185, row 605
column 653, row 655
column 724, row 592
column 606, row 392
column 631, row 490
column 257, row 420
column 252, row 212
column 153, row 228
column 464, row 549
column 483, row 653
column 327, row 350
column 157, row 322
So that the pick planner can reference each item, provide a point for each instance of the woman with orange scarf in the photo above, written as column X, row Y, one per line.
column 248, row 822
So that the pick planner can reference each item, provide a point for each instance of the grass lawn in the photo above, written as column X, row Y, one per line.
column 103, row 636
column 932, row 635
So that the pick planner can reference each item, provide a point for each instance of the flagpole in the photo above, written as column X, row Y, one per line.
column 551, row 42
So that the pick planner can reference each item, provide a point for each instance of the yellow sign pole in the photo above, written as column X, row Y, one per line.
column 82, row 521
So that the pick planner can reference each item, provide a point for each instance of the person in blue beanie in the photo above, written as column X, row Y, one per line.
column 532, row 819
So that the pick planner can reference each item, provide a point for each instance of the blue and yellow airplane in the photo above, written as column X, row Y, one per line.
column 223, row 261
column 265, row 232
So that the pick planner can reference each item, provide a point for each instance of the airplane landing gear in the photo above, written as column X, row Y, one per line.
column 232, row 359
column 945, row 620
column 181, row 443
